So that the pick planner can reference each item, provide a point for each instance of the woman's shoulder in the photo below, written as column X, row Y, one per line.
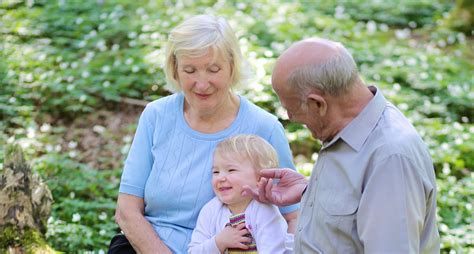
column 164, row 101
column 259, row 113
column 163, row 104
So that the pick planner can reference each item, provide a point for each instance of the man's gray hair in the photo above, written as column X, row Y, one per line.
column 334, row 76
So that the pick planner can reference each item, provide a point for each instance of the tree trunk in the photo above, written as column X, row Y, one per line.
column 25, row 205
column 461, row 17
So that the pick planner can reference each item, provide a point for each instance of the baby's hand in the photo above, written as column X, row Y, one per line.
column 233, row 237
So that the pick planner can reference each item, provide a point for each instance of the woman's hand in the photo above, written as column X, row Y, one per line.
column 233, row 237
column 141, row 235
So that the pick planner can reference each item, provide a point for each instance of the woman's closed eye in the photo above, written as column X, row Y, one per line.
column 214, row 69
column 189, row 70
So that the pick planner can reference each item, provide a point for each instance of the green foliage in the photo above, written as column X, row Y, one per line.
column 83, row 218
column 64, row 60
column 30, row 239
column 456, row 223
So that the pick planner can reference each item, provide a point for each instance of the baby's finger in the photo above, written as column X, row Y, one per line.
column 240, row 226
column 245, row 239
column 242, row 246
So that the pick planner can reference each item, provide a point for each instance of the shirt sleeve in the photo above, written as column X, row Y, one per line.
column 203, row 239
column 139, row 161
column 279, row 141
column 271, row 230
column 392, row 207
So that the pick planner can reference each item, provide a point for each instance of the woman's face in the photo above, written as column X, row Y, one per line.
column 205, row 81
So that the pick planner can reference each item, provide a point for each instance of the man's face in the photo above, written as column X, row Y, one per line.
column 298, row 109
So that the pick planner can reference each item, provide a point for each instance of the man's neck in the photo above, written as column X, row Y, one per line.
column 345, row 108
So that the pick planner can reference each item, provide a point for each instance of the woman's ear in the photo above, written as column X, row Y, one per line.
column 317, row 103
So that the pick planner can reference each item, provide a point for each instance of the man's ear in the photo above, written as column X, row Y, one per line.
column 318, row 103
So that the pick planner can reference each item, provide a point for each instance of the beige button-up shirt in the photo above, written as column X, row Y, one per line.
column 372, row 190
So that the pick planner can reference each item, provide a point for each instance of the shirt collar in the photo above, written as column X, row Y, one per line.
column 357, row 131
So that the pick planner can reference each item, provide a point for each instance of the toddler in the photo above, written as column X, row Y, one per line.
column 234, row 223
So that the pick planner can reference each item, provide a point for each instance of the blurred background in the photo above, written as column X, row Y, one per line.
column 75, row 75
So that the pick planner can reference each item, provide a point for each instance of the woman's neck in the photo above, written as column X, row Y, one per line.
column 216, row 120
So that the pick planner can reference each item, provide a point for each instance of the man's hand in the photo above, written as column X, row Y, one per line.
column 233, row 237
column 286, row 192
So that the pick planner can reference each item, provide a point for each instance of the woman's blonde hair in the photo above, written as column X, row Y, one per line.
column 195, row 37
column 251, row 147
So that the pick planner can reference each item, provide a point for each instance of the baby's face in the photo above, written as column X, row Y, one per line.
column 229, row 173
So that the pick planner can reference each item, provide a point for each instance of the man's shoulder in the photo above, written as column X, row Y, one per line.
column 395, row 132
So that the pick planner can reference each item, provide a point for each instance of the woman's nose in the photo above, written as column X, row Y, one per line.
column 202, row 83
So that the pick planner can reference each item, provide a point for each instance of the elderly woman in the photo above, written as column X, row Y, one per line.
column 167, row 174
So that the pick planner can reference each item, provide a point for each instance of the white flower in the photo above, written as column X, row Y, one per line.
column 98, row 128
column 72, row 154
column 102, row 27
column 46, row 127
column 105, row 69
column 76, row 217
column 31, row 133
column 371, row 27
column 102, row 216
column 402, row 34
column 383, row 27
column 79, row 21
column 132, row 35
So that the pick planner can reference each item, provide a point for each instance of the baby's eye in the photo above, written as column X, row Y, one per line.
column 215, row 172
column 232, row 170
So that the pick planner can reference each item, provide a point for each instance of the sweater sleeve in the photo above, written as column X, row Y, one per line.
column 139, row 161
column 203, row 237
column 270, row 232
column 279, row 141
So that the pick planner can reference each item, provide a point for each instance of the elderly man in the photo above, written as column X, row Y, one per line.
column 373, row 188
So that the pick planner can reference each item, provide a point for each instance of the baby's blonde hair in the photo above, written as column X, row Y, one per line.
column 251, row 147
column 197, row 36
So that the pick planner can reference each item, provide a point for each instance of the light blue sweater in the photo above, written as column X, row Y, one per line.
column 169, row 164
